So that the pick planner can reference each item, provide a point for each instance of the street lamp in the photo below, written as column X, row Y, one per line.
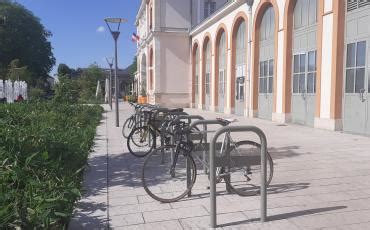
column 110, row 63
column 115, row 34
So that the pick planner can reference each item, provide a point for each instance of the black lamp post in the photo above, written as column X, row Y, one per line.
column 115, row 34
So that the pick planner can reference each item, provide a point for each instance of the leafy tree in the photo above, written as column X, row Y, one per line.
column 88, row 82
column 133, row 67
column 64, row 70
column 23, row 37
column 17, row 72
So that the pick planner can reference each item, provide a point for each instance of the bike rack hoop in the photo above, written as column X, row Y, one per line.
column 231, row 129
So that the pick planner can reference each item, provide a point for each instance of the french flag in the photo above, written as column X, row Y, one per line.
column 135, row 37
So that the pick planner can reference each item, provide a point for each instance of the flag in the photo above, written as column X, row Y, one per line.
column 135, row 37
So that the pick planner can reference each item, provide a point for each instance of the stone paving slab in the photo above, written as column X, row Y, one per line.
column 320, row 182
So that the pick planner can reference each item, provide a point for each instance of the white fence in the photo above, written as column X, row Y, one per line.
column 11, row 90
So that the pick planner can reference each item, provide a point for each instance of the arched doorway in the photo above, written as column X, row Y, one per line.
column 356, row 107
column 221, row 71
column 266, row 64
column 239, row 68
column 196, row 74
column 304, row 67
column 207, row 65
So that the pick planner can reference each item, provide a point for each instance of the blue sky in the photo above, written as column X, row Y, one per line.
column 74, row 24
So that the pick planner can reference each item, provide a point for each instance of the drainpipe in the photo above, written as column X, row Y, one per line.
column 249, row 53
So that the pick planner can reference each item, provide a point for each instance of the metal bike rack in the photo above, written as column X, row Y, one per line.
column 193, row 125
column 212, row 155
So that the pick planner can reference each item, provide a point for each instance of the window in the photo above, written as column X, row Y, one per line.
column 208, row 91
column 208, row 67
column 305, row 13
column 355, row 67
column 222, row 57
column 266, row 76
column 209, row 8
column 196, row 83
column 241, row 44
column 240, row 88
column 304, row 73
column 150, row 17
column 267, row 24
column 221, row 86
column 355, row 4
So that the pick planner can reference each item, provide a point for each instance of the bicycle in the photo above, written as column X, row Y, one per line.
column 143, row 139
column 135, row 119
column 169, row 172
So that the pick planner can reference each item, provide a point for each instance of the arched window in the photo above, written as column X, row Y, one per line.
column 196, row 78
column 222, row 58
column 304, row 48
column 240, row 60
column 305, row 13
column 208, row 58
column 151, row 68
column 267, row 51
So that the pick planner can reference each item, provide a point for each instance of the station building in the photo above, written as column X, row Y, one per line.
column 289, row 61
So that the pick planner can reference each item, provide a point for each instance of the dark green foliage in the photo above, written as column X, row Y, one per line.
column 43, row 151
column 133, row 67
column 23, row 37
column 64, row 70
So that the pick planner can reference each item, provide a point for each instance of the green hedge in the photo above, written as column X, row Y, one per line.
column 43, row 150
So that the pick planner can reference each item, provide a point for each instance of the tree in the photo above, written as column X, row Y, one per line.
column 64, row 70
column 88, row 82
column 133, row 67
column 23, row 37
column 18, row 72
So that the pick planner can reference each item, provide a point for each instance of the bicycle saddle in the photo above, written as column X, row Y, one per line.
column 226, row 121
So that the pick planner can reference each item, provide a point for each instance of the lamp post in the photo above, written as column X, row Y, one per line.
column 110, row 63
column 249, row 53
column 115, row 34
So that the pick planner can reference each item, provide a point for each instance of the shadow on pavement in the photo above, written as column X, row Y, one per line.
column 84, row 220
column 288, row 215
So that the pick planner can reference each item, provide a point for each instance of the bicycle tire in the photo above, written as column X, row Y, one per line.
column 152, row 166
column 147, row 142
column 127, row 127
column 251, row 187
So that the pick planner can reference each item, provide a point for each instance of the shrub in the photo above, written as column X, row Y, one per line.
column 36, row 93
column 43, row 151
column 66, row 90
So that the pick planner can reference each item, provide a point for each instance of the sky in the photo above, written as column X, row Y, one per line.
column 80, row 35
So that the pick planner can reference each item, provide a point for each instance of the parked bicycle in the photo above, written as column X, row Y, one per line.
column 145, row 137
column 170, row 172
column 136, row 119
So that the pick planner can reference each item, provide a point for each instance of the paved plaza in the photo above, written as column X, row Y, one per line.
column 321, row 181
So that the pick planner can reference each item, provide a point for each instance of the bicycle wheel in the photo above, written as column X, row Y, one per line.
column 128, row 126
column 161, row 181
column 140, row 142
column 244, row 173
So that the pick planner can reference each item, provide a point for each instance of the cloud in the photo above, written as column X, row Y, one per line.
column 100, row 29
